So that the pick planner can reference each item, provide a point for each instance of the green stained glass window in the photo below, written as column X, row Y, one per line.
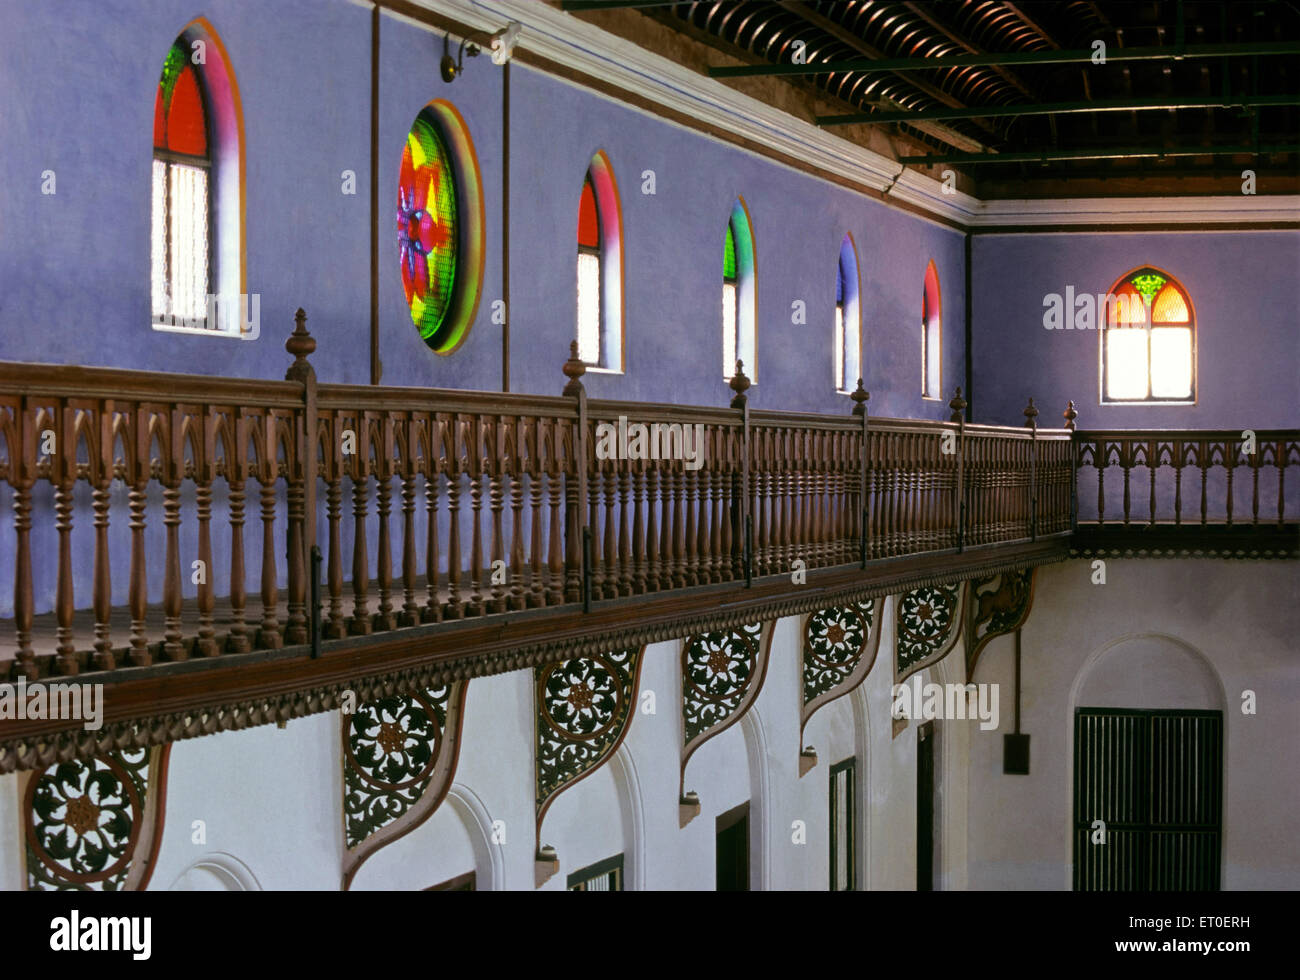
column 729, row 256
column 1148, row 284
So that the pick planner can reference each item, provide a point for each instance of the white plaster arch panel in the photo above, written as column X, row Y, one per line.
column 216, row 872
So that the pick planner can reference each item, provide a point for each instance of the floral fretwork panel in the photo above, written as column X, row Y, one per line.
column 722, row 673
column 91, row 823
column 926, row 625
column 840, row 646
column 399, row 758
column 584, row 706
column 999, row 605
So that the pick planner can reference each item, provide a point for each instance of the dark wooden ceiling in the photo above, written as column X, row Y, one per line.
column 1211, row 77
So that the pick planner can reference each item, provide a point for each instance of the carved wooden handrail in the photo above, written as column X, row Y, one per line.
column 433, row 505
column 1168, row 466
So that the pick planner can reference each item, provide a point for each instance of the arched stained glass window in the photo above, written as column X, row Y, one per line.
column 600, row 269
column 848, row 319
column 1149, row 342
column 182, row 164
column 439, row 227
column 931, row 335
column 197, row 256
column 739, row 330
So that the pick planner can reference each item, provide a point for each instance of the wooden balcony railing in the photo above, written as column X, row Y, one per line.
column 1189, row 490
column 430, row 505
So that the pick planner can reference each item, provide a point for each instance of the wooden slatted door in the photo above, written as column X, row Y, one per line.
column 1155, row 778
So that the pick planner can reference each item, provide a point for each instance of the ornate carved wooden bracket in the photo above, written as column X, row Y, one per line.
column 999, row 604
column 399, row 760
column 840, row 647
column 584, row 708
column 95, row 823
column 926, row 627
column 722, row 675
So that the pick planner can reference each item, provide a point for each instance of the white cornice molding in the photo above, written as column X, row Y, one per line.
column 1227, row 209
column 581, row 46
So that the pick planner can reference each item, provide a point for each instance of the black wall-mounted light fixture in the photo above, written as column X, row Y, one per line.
column 502, row 44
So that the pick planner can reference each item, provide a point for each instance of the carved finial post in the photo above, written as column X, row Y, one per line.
column 1070, row 415
column 301, row 344
column 574, row 368
column 958, row 406
column 739, row 384
column 1031, row 415
column 860, row 398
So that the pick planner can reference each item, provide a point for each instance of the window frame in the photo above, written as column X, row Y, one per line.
column 745, row 287
column 1103, row 325
column 927, row 315
column 612, row 866
column 849, row 307
column 170, row 158
column 599, row 254
column 850, row 792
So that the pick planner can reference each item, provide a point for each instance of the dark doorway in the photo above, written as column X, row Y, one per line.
column 1148, row 799
column 733, row 850
column 925, row 807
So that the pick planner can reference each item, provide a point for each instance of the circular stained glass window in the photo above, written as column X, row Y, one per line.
column 428, row 232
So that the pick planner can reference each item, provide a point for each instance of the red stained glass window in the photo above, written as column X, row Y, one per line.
column 588, row 219
column 180, row 123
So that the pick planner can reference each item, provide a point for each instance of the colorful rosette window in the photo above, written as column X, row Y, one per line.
column 427, row 232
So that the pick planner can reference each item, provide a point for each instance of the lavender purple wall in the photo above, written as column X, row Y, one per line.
column 75, row 265
column 1245, row 287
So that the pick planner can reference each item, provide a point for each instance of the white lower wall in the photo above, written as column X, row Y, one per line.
column 1159, row 634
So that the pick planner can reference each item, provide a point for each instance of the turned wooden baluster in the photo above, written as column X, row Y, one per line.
column 1254, row 500
column 610, row 578
column 600, row 562
column 725, row 485
column 573, row 517
column 268, row 634
column 102, row 479
column 455, row 608
column 557, row 579
column 296, row 623
column 1204, row 459
column 170, row 471
column 680, row 508
column 654, row 507
column 537, row 442
column 337, row 625
column 716, row 463
column 432, row 487
column 495, row 460
column 63, row 474
column 384, row 618
column 690, row 556
column 1229, row 466
column 359, row 624
column 624, row 478
column 475, row 459
column 519, row 568
column 203, row 477
column 236, row 474
column 700, row 557
column 1280, row 461
column 1101, row 462
column 1153, row 449
column 409, row 435
column 22, row 467
column 640, row 504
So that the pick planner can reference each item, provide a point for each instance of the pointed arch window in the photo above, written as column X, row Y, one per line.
column 931, row 335
column 600, row 269
column 739, row 331
column 848, row 319
column 197, row 201
column 1148, row 351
